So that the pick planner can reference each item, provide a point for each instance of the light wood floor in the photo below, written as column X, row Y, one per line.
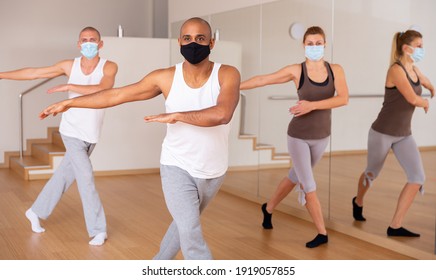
column 337, row 190
column 137, row 219
column 381, row 199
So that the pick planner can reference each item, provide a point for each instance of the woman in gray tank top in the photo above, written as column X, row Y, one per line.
column 392, row 128
column 309, row 130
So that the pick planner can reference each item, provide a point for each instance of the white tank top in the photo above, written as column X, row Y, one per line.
column 201, row 151
column 83, row 123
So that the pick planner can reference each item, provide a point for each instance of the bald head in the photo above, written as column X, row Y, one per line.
column 197, row 22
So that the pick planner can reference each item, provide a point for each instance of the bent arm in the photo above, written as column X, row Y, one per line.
column 398, row 77
column 32, row 73
column 286, row 74
column 107, row 81
column 425, row 82
column 340, row 99
column 219, row 114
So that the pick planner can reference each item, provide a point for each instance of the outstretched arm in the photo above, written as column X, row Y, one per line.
column 340, row 99
column 281, row 76
column 107, row 81
column 219, row 114
column 32, row 73
column 149, row 87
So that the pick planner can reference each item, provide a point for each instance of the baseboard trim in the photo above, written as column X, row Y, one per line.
column 127, row 172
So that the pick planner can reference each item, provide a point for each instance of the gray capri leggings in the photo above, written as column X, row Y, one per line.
column 305, row 154
column 405, row 150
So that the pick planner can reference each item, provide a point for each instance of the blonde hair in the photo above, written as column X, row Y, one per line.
column 400, row 39
column 314, row 30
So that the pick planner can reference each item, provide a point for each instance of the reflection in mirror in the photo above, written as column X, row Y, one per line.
column 263, row 35
column 366, row 73
column 267, row 47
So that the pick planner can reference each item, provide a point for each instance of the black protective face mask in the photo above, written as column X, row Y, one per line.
column 195, row 53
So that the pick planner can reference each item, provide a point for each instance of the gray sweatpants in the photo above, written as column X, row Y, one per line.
column 186, row 197
column 304, row 155
column 405, row 150
column 75, row 165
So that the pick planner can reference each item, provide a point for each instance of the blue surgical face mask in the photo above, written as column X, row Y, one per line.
column 314, row 53
column 418, row 54
column 89, row 49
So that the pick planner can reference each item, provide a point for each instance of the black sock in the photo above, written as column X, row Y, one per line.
column 401, row 232
column 318, row 240
column 357, row 211
column 266, row 218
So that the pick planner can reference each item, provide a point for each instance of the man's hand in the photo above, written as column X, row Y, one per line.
column 54, row 109
column 162, row 118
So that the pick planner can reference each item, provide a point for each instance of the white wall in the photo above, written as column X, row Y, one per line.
column 160, row 19
column 127, row 142
column 181, row 10
column 40, row 33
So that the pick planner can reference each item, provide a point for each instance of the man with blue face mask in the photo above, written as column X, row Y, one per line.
column 80, row 131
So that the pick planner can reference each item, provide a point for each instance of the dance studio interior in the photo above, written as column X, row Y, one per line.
column 256, row 37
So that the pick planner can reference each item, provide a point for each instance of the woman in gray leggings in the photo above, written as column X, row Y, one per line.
column 309, row 130
column 392, row 128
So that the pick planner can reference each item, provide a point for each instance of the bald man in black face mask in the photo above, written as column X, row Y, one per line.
column 201, row 97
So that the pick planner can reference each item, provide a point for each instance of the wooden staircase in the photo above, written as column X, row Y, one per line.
column 41, row 155
column 259, row 146
column 38, row 159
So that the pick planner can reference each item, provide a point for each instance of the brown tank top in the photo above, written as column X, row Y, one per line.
column 395, row 116
column 316, row 124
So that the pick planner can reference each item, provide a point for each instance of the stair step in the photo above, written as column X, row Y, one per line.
column 247, row 136
column 43, row 151
column 281, row 156
column 23, row 165
column 260, row 146
column 29, row 162
column 39, row 155
column 57, row 139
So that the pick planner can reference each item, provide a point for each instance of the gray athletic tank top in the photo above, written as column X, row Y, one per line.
column 316, row 124
column 395, row 116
